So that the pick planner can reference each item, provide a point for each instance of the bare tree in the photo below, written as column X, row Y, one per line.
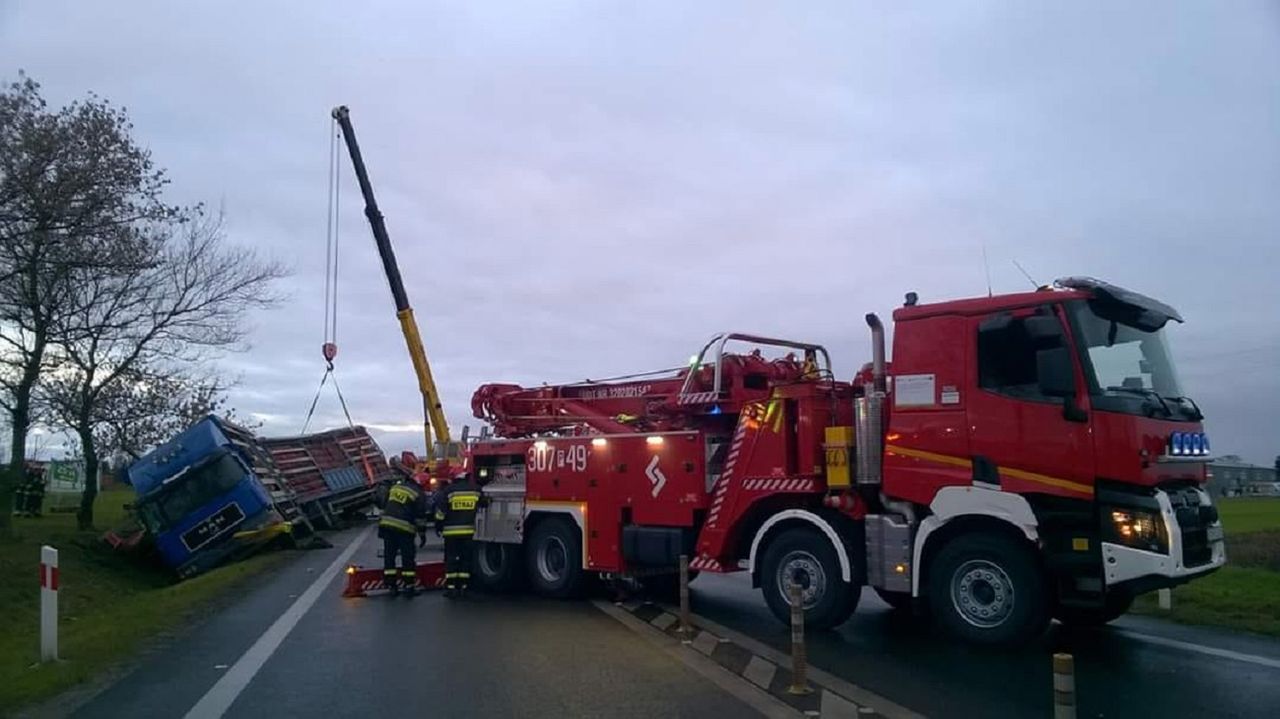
column 74, row 186
column 132, row 337
column 149, row 407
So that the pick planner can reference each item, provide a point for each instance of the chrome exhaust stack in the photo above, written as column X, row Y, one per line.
column 877, row 352
column 868, row 413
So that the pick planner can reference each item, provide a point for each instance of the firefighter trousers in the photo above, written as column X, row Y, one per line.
column 457, row 562
column 396, row 543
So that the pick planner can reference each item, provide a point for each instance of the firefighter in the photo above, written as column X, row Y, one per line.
column 456, row 518
column 403, row 515
column 20, row 491
column 35, row 496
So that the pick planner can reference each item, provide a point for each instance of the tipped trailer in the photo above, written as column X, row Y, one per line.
column 331, row 474
column 1022, row 457
column 216, row 491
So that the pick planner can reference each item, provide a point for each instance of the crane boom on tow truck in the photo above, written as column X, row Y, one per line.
column 439, row 452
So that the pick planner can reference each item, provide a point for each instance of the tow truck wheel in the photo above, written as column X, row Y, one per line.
column 498, row 566
column 1114, row 606
column 807, row 558
column 554, row 559
column 988, row 590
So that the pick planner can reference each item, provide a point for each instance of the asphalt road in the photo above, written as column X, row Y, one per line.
column 1139, row 667
column 384, row 657
column 522, row 656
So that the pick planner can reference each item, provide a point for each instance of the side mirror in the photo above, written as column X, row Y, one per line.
column 1043, row 327
column 1056, row 375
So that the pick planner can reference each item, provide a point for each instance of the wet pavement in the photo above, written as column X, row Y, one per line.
column 1138, row 667
column 488, row 656
column 518, row 655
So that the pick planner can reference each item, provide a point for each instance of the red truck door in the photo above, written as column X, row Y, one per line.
column 1023, row 440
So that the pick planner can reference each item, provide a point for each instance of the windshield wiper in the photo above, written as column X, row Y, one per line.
column 1144, row 392
column 1197, row 415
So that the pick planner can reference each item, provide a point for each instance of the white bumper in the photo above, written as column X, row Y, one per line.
column 1123, row 563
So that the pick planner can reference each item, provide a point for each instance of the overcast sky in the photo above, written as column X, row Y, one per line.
column 584, row 189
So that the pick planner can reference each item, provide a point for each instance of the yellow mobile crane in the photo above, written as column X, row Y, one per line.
column 443, row 449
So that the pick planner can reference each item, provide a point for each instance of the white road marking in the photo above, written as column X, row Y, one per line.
column 221, row 695
column 1202, row 649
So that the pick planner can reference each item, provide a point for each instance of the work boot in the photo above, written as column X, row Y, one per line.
column 393, row 586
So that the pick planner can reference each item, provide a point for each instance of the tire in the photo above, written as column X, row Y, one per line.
column 897, row 601
column 805, row 553
column 498, row 567
column 988, row 589
column 1114, row 606
column 554, row 559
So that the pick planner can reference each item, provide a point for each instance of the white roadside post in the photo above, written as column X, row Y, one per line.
column 48, row 604
column 1166, row 599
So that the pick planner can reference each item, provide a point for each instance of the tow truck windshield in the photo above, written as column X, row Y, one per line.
column 1128, row 363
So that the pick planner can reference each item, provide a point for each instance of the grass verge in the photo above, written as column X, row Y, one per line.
column 1245, row 594
column 1242, row 598
column 109, row 604
column 1241, row 515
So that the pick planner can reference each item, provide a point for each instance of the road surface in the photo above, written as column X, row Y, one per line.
column 291, row 646
column 1138, row 667
column 385, row 657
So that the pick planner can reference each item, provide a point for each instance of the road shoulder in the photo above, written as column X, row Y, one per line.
column 756, row 673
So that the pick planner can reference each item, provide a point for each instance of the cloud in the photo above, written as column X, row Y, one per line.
column 575, row 191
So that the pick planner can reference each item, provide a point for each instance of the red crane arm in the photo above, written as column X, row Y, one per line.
column 665, row 402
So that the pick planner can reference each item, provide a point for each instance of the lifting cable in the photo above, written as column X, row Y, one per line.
column 329, row 349
column 332, row 223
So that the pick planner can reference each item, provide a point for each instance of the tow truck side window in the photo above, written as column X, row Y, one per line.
column 1007, row 347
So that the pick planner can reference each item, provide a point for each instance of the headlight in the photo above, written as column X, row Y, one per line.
column 1138, row 529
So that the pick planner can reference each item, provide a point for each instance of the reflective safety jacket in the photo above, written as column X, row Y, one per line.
column 456, row 509
column 405, row 509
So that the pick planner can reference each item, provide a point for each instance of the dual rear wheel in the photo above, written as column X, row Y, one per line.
column 550, row 561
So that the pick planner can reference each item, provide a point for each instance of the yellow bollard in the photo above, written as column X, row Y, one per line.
column 799, row 668
column 1064, row 687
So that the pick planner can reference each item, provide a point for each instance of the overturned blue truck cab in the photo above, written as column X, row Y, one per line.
column 200, row 499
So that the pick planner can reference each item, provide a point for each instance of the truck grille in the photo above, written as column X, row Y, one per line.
column 1193, row 521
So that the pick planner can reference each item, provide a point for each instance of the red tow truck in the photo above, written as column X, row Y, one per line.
column 1025, row 456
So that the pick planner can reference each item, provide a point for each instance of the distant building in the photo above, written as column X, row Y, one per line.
column 1231, row 476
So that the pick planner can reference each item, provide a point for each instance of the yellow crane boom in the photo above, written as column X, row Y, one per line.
column 434, row 420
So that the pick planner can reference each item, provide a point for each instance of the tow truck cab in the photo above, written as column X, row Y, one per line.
column 199, row 499
column 1056, row 414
